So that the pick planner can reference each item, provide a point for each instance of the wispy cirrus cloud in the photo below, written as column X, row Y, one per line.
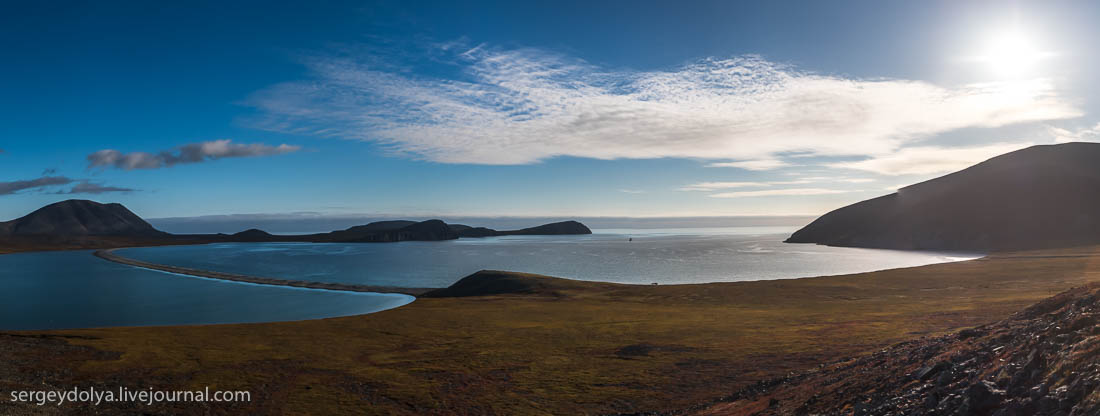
column 525, row 105
column 760, row 164
column 842, row 179
column 714, row 186
column 779, row 192
column 1087, row 134
column 925, row 160
column 188, row 153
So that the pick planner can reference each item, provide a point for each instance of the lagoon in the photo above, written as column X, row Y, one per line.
column 73, row 289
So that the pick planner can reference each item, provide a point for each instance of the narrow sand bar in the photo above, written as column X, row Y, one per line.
column 110, row 255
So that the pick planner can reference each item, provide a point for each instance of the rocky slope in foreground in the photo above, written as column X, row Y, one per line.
column 1044, row 360
column 1039, row 197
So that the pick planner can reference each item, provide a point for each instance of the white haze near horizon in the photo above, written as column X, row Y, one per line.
column 314, row 223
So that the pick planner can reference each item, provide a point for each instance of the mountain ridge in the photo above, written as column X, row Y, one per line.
column 1040, row 197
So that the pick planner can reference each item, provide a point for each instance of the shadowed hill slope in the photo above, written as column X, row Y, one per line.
column 495, row 282
column 1039, row 197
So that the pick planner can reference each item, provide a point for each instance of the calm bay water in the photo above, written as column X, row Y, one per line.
column 73, row 289
column 662, row 256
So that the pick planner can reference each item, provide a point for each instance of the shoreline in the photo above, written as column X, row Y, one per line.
column 555, row 346
column 109, row 255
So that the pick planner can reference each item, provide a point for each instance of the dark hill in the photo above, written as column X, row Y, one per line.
column 557, row 228
column 392, row 231
column 1039, row 197
column 359, row 232
column 380, row 226
column 434, row 230
column 459, row 227
column 476, row 232
column 80, row 218
column 426, row 230
column 252, row 235
column 495, row 282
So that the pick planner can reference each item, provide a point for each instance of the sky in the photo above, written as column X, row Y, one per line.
column 558, row 109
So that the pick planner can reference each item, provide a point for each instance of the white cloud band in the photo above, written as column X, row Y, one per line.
column 523, row 106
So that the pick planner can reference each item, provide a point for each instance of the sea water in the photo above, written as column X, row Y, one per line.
column 73, row 289
column 638, row 256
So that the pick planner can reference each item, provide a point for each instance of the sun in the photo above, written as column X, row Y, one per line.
column 1011, row 54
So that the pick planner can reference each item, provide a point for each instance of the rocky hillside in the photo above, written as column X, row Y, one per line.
column 1039, row 197
column 79, row 218
column 1044, row 360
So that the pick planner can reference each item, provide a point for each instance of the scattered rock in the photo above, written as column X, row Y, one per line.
column 1044, row 361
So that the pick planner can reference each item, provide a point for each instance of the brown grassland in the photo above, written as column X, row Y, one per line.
column 575, row 348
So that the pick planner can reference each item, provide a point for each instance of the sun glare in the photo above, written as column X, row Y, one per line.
column 1011, row 54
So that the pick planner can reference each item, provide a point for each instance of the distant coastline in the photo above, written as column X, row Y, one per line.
column 81, row 224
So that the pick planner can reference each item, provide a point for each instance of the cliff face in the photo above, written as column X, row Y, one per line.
column 1039, row 197
column 79, row 218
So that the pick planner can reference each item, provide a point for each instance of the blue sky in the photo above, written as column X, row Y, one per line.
column 558, row 109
